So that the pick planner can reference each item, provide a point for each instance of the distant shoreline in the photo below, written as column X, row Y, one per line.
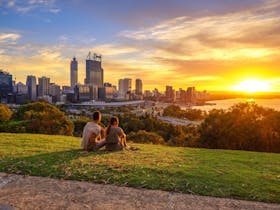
column 220, row 95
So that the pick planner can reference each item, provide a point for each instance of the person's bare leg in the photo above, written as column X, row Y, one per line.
column 124, row 141
column 100, row 144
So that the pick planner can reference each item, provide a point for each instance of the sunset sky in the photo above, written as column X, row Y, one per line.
column 210, row 44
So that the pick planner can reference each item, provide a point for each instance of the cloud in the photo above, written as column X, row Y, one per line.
column 113, row 49
column 23, row 7
column 251, row 33
column 9, row 37
column 55, row 10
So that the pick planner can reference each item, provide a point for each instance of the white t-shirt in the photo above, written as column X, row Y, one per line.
column 89, row 129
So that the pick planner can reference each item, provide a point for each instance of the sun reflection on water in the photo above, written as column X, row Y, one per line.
column 250, row 100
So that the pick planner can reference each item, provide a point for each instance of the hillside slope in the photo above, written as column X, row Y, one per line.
column 222, row 173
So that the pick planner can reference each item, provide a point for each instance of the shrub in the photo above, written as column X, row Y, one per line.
column 145, row 137
column 41, row 117
column 5, row 113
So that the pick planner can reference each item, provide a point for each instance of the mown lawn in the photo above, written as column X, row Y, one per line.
column 222, row 173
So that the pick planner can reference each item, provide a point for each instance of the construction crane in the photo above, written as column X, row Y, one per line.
column 95, row 57
column 89, row 56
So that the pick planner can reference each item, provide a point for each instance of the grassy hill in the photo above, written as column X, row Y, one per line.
column 222, row 173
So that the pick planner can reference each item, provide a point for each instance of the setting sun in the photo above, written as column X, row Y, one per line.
column 252, row 86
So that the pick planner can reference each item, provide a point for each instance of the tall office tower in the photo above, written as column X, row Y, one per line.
column 31, row 85
column 138, row 87
column 94, row 70
column 6, row 84
column 190, row 94
column 170, row 94
column 169, row 91
column 73, row 72
column 43, row 87
column 120, row 87
column 127, row 85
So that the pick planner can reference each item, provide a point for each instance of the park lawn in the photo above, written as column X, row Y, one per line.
column 222, row 173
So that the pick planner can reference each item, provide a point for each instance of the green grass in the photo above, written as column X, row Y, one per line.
column 222, row 173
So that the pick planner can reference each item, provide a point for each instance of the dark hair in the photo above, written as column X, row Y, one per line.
column 96, row 115
column 112, row 121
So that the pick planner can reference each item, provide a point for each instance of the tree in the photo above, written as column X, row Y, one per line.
column 173, row 111
column 244, row 126
column 41, row 117
column 5, row 113
column 191, row 114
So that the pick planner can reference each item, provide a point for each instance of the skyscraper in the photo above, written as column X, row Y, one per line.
column 31, row 85
column 190, row 94
column 124, row 87
column 138, row 87
column 94, row 70
column 120, row 87
column 127, row 85
column 6, row 84
column 43, row 88
column 73, row 72
column 169, row 94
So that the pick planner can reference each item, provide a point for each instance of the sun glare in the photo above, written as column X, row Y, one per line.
column 252, row 86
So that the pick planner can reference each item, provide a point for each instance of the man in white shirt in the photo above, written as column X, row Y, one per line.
column 92, row 133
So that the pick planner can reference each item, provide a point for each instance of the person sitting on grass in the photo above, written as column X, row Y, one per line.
column 115, row 137
column 92, row 134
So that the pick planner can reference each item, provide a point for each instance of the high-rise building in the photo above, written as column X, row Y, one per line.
column 31, row 85
column 73, row 72
column 120, row 87
column 190, row 95
column 20, row 95
column 6, row 84
column 54, row 91
column 124, row 89
column 21, row 88
column 94, row 70
column 127, row 85
column 169, row 94
column 138, row 87
column 43, row 87
column 83, row 92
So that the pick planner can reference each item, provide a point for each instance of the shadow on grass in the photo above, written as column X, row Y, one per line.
column 45, row 164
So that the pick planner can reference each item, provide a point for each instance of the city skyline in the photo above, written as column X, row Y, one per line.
column 211, row 44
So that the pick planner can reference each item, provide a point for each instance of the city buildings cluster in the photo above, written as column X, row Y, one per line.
column 94, row 88
column 189, row 96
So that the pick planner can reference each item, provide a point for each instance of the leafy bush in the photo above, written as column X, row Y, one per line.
column 41, row 117
column 5, row 113
column 13, row 127
column 145, row 137
column 244, row 126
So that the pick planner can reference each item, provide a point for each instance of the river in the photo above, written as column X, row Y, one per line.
column 225, row 104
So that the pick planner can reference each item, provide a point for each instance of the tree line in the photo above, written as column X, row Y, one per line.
column 244, row 126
